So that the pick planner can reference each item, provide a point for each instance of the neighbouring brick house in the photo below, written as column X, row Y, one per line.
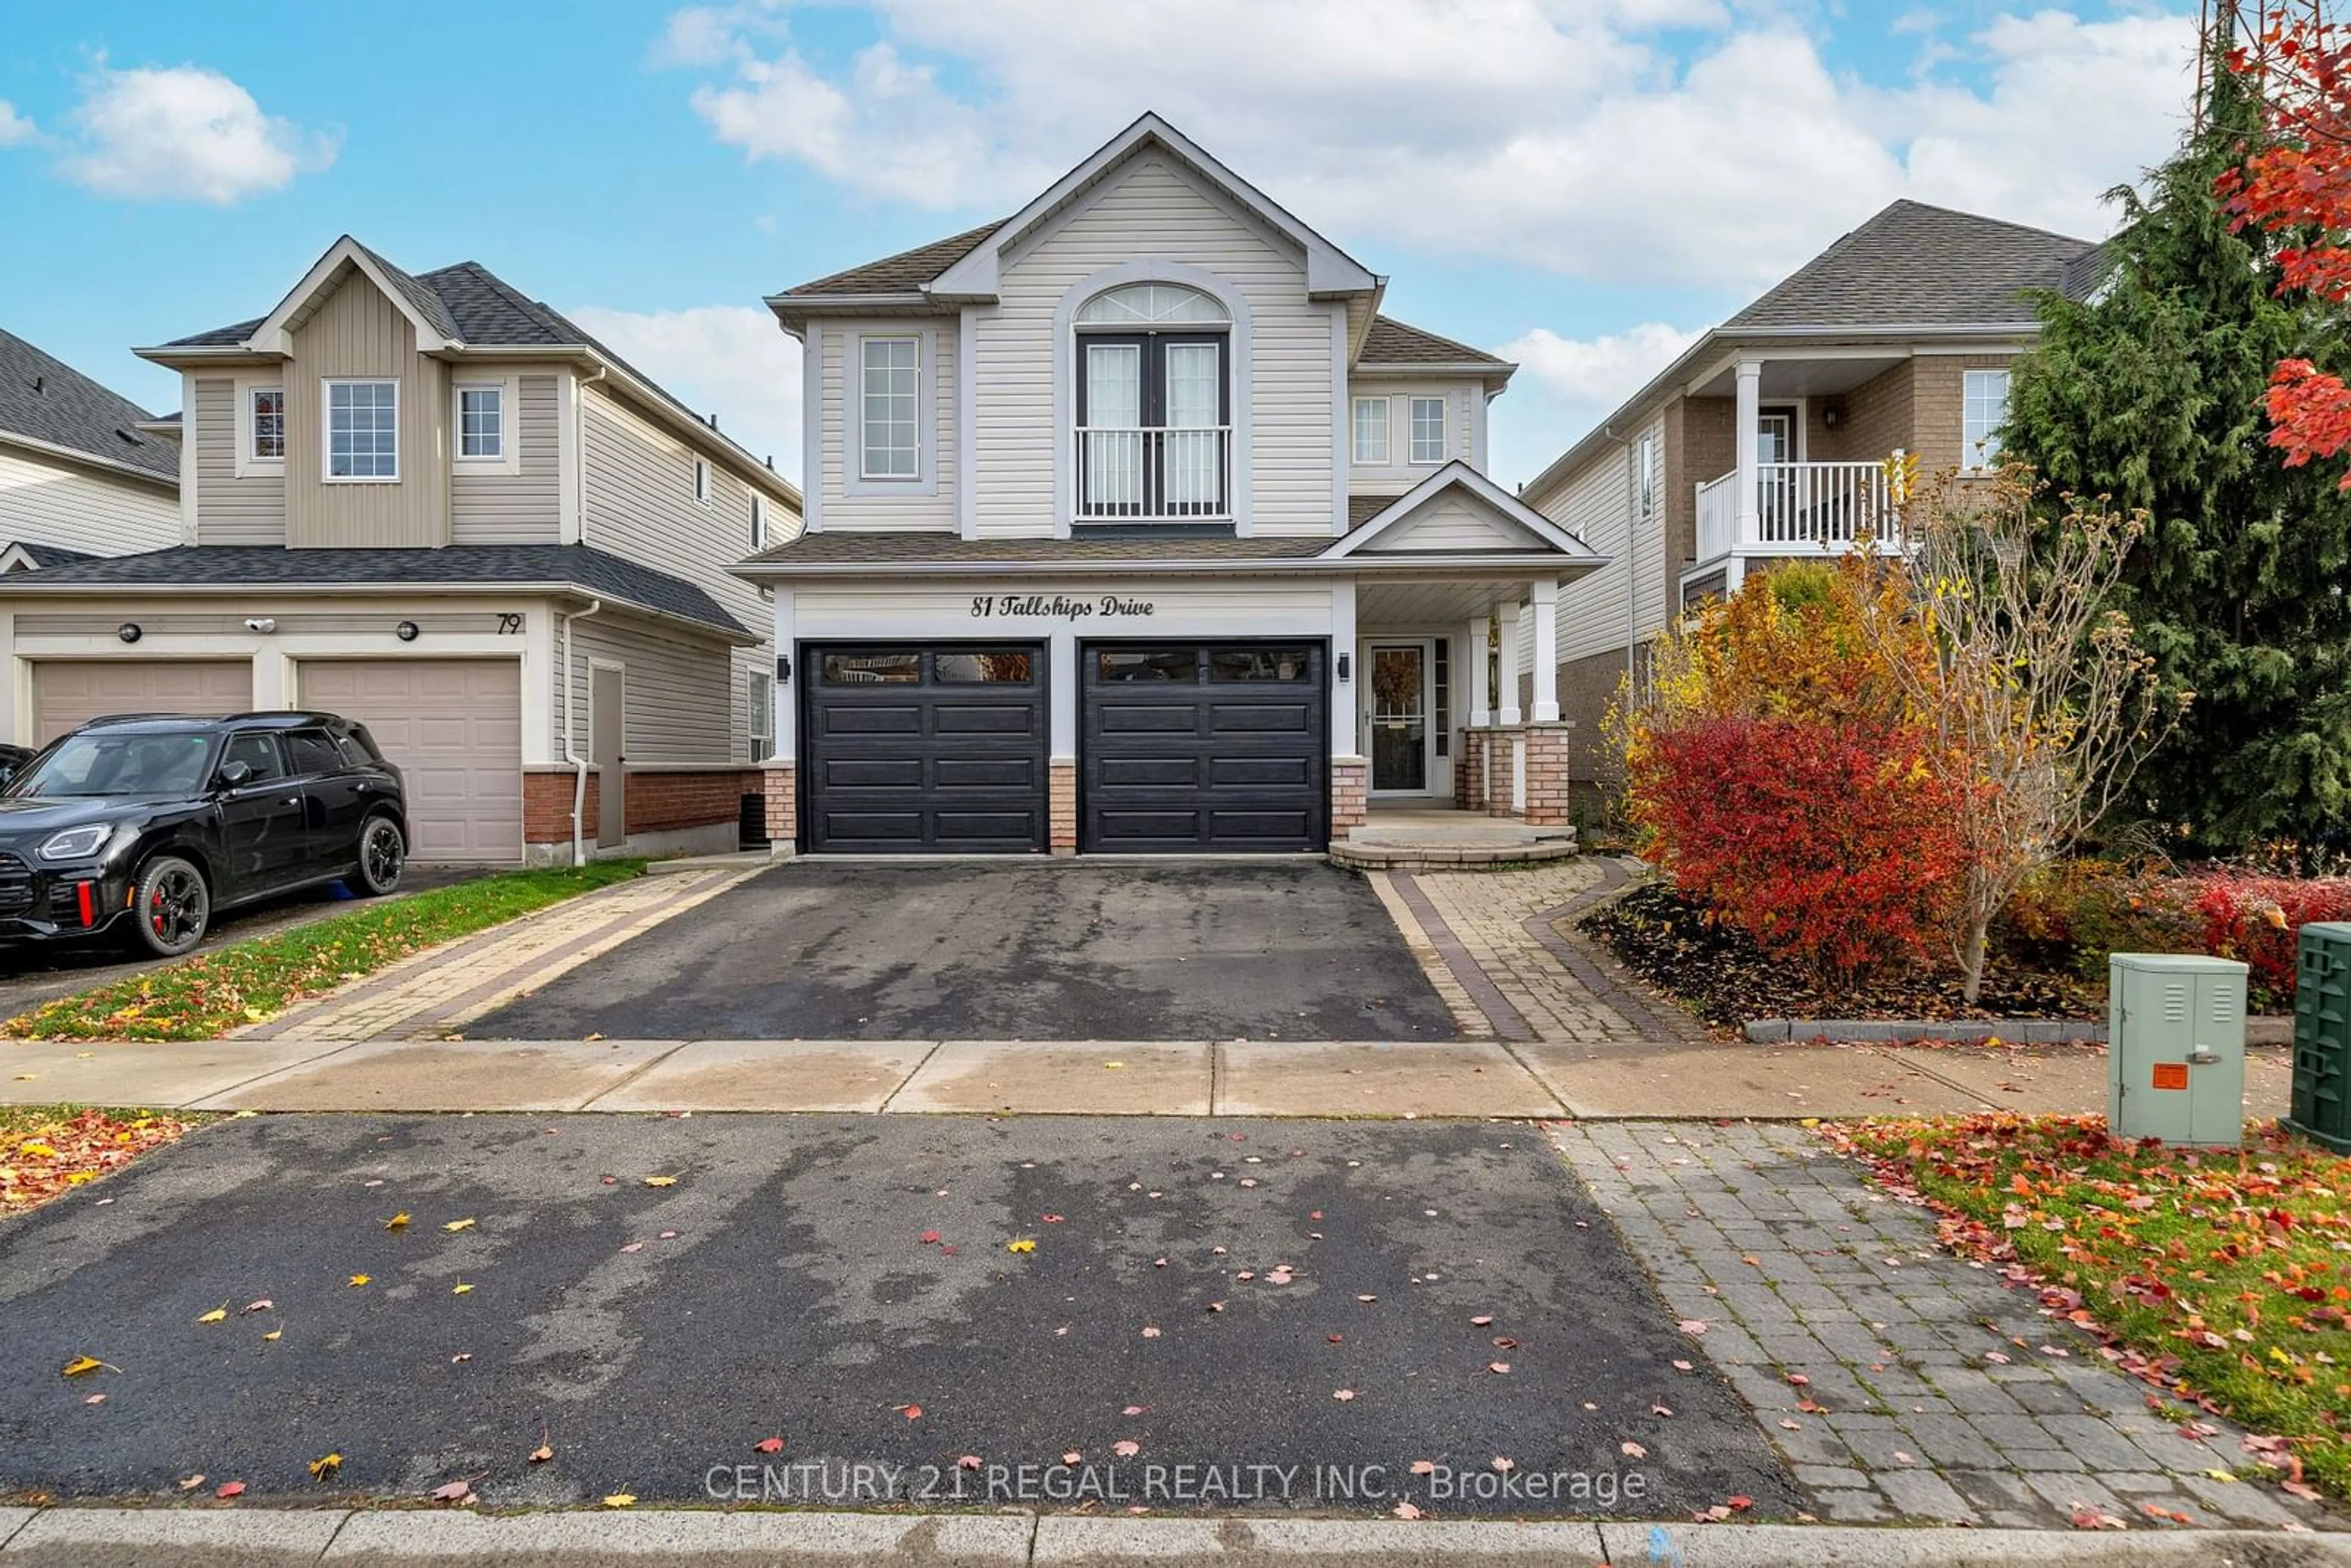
column 1134, row 525
column 1769, row 438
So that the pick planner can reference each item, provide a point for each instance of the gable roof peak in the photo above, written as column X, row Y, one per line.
column 1912, row 264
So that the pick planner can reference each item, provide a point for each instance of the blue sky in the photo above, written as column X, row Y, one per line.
column 1579, row 184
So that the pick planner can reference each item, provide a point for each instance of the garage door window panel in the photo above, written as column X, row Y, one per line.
column 871, row 669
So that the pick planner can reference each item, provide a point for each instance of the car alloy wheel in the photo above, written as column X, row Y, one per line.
column 383, row 855
column 174, row 906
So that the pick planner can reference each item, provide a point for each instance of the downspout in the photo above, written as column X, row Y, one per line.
column 570, row 743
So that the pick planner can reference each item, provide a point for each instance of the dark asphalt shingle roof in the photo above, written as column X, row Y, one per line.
column 888, row 548
column 596, row 571
column 904, row 273
column 43, row 399
column 1392, row 342
column 1913, row 265
column 1362, row 509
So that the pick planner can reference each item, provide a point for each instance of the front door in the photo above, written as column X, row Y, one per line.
column 1399, row 718
column 607, row 722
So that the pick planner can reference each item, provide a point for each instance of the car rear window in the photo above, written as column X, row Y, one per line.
column 312, row 751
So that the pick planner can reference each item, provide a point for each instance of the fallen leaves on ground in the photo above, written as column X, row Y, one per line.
column 229, row 1489
column 217, row 1315
column 48, row 1151
column 768, row 1445
column 620, row 1500
column 325, row 1464
column 2217, row 1276
column 82, row 1364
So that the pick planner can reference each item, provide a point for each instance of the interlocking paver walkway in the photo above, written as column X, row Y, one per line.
column 440, row 991
column 1942, row 1393
column 1496, row 946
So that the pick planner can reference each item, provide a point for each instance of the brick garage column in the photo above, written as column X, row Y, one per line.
column 1469, row 772
column 1062, row 806
column 783, row 784
column 1550, row 760
column 1350, row 793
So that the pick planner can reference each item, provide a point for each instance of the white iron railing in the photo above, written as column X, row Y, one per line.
column 1152, row 476
column 1824, row 506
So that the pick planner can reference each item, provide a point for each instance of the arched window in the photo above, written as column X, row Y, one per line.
column 1154, row 439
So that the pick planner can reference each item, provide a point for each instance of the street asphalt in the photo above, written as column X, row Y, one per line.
column 1280, row 1316
column 32, row 973
column 819, row 951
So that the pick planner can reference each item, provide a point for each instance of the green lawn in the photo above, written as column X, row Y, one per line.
column 47, row 1150
column 250, row 981
column 2226, row 1275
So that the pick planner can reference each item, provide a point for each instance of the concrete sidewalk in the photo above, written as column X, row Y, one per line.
column 107, row 1538
column 1601, row 1082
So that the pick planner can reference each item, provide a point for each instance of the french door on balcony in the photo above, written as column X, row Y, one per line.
column 1154, row 439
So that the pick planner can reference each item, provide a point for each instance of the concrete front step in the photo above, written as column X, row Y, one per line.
column 1500, row 846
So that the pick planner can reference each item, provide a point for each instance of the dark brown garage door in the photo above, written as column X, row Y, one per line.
column 913, row 748
column 1204, row 746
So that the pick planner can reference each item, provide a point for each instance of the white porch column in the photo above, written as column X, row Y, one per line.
column 1750, row 400
column 1507, row 672
column 1343, row 697
column 1544, row 596
column 1480, row 711
column 783, row 736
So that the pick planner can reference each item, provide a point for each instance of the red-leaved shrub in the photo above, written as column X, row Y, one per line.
column 1831, row 845
column 2259, row 919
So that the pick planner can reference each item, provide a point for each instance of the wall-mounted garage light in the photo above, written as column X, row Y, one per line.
column 129, row 631
column 406, row 630
column 264, row 624
column 783, row 669
column 1343, row 666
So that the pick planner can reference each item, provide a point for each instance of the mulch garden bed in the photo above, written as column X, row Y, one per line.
column 1720, row 974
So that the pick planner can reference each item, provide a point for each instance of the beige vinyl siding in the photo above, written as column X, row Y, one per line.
column 1593, row 504
column 1453, row 522
column 230, row 510
column 638, row 495
column 357, row 332
column 927, row 504
column 522, row 507
column 82, row 509
column 1148, row 208
column 1464, row 401
column 679, row 711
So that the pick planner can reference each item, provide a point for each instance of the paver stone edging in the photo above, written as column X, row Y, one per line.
column 1657, row 1020
column 2014, row 1031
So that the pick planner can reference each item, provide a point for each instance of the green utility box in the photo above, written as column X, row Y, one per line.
column 2321, row 1036
column 2176, row 1048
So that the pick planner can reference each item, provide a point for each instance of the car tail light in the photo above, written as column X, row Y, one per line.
column 89, row 915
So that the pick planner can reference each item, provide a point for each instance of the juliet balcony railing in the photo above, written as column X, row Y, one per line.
column 1798, row 506
column 1130, row 475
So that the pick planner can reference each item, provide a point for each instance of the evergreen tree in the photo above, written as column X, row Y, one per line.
column 2151, row 391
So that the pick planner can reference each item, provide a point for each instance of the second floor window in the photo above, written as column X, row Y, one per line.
column 1372, row 431
column 1428, row 430
column 481, row 422
column 1984, row 409
column 363, row 431
column 890, row 374
column 268, row 424
column 1155, row 411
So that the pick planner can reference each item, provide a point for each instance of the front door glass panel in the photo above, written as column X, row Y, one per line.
column 1400, row 718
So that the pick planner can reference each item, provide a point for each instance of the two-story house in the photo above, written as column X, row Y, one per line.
column 1769, row 437
column 435, row 505
column 1133, row 525
column 83, row 471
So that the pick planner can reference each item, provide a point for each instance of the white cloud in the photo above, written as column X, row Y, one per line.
column 1573, row 135
column 1600, row 372
column 184, row 133
column 728, row 360
column 13, row 126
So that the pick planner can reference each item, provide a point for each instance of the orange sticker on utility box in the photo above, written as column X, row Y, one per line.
column 2171, row 1075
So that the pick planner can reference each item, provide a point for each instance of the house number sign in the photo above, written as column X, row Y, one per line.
column 1057, row 606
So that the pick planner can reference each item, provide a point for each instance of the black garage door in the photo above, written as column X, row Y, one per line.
column 911, row 747
column 1204, row 746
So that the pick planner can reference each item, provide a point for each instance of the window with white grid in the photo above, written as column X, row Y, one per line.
column 363, row 431
column 893, row 449
column 1428, row 430
column 269, row 415
column 1371, row 430
column 481, row 422
column 1984, row 409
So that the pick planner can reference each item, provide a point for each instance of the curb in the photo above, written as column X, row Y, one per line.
column 72, row 1537
column 2013, row 1031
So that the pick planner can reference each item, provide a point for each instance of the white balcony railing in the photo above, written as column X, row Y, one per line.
column 1152, row 476
column 1822, row 506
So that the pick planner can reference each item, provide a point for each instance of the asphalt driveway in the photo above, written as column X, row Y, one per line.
column 1293, row 1309
column 819, row 951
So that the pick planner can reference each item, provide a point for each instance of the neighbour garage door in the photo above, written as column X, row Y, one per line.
column 66, row 693
column 937, row 748
column 1215, row 746
column 453, row 726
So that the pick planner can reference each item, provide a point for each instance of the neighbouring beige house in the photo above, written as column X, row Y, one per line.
column 1769, row 438
column 435, row 505
column 83, row 471
column 1134, row 526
